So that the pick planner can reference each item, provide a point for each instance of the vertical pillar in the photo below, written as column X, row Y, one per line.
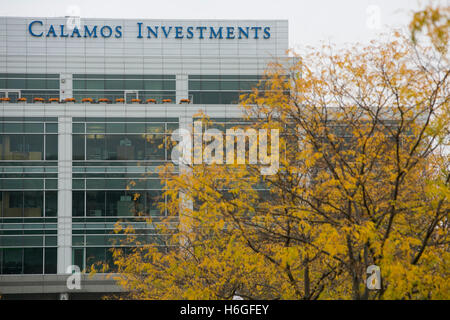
column 182, row 87
column 65, row 86
column 64, row 193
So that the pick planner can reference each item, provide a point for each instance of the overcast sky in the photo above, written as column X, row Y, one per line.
column 310, row 21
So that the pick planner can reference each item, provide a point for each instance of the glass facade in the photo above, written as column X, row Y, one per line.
column 29, row 86
column 115, row 178
column 115, row 86
column 28, row 195
column 220, row 89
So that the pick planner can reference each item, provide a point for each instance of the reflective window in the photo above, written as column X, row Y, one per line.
column 95, row 203
column 33, row 203
column 78, row 203
column 33, row 261
column 51, row 203
column 12, row 261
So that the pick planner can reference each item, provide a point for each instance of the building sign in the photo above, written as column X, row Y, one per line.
column 36, row 29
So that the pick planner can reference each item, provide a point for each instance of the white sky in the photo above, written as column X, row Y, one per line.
column 310, row 21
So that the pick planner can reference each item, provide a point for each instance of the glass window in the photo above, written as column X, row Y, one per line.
column 77, row 203
column 195, row 85
column 51, row 147
column 115, row 127
column 95, row 203
column 33, row 261
column 33, row 203
column 95, row 128
column 153, row 85
column 134, row 85
column 51, row 127
column 114, row 85
column 34, row 127
column 78, row 257
column 113, row 199
column 229, row 97
column 230, row 85
column 51, row 203
column 155, row 127
column 211, row 85
column 35, row 84
column 34, row 146
column 95, row 147
column 51, row 183
column 12, row 261
column 79, row 84
column 15, row 84
column 95, row 256
column 152, row 200
column 95, row 84
column 13, row 127
column 154, row 148
column 33, row 183
column 52, row 84
column 50, row 260
column 110, row 260
column 135, row 127
column 78, row 147
column 13, row 204
column 78, row 128
column 98, row 183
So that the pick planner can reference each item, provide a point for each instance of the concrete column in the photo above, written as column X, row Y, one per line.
column 64, row 193
column 182, row 87
column 65, row 86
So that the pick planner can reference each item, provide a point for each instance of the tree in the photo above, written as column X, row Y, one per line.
column 363, row 180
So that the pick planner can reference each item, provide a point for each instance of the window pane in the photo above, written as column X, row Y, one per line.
column 33, row 203
column 95, row 147
column 95, row 203
column 51, row 147
column 12, row 261
column 115, row 127
column 153, row 85
column 34, row 147
column 78, row 128
column 78, row 257
column 77, row 203
column 77, row 147
column 112, row 200
column 51, row 128
column 13, row 127
column 13, row 204
column 230, row 85
column 33, row 261
column 94, row 255
column 152, row 200
column 50, row 260
column 95, row 128
column 34, row 127
column 52, row 84
column 114, row 85
column 95, row 84
column 16, row 84
column 36, row 84
column 154, row 148
column 134, row 84
column 51, row 203
column 211, row 85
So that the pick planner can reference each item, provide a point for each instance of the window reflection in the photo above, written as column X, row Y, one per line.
column 123, row 147
column 117, row 203
column 27, row 204
column 28, row 147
